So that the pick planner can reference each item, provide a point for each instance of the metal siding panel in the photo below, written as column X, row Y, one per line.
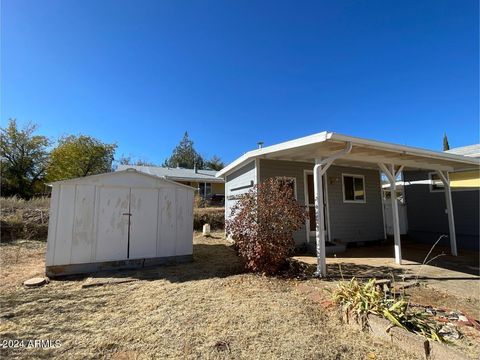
column 240, row 178
column 143, row 223
column 83, row 240
column 184, row 222
column 65, row 214
column 167, row 222
column 52, row 225
column 112, row 228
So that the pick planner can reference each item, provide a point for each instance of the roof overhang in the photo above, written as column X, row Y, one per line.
column 365, row 153
column 193, row 179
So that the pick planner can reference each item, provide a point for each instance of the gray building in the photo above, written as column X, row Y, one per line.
column 425, row 199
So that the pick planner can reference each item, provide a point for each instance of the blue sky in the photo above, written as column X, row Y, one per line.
column 231, row 73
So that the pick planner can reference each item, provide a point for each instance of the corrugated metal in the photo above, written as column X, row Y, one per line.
column 177, row 174
column 89, row 219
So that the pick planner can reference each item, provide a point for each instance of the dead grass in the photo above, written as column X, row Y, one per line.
column 204, row 309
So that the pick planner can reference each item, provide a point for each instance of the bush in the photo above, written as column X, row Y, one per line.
column 213, row 216
column 262, row 225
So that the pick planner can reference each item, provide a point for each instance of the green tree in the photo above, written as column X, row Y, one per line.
column 23, row 158
column 185, row 155
column 77, row 156
column 446, row 145
column 215, row 163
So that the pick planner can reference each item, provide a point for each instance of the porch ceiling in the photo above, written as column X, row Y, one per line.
column 365, row 153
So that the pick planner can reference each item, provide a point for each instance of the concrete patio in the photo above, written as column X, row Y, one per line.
column 456, row 275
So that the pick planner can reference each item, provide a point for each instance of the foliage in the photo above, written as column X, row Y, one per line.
column 262, row 225
column 363, row 299
column 446, row 145
column 215, row 163
column 213, row 216
column 23, row 159
column 128, row 160
column 184, row 155
column 78, row 156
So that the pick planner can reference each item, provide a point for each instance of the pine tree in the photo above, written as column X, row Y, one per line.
column 446, row 145
column 184, row 155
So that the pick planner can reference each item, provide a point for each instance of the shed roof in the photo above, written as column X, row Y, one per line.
column 177, row 174
column 365, row 153
column 99, row 177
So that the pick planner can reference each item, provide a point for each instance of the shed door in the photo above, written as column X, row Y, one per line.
column 112, row 228
column 143, row 223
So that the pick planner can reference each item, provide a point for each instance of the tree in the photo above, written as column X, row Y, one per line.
column 215, row 163
column 128, row 160
column 262, row 224
column 184, row 155
column 23, row 159
column 446, row 145
column 77, row 156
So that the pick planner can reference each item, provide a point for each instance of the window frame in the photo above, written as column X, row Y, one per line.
column 354, row 176
column 294, row 183
column 431, row 183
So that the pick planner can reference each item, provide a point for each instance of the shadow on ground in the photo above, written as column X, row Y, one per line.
column 211, row 259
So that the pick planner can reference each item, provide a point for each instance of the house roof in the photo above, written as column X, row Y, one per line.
column 469, row 150
column 177, row 174
column 364, row 153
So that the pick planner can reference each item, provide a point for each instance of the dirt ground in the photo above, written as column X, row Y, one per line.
column 204, row 309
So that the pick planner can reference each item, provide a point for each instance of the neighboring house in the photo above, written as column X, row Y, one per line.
column 349, row 209
column 208, row 186
column 425, row 199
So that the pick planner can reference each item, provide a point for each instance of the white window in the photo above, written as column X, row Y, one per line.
column 353, row 188
column 291, row 182
column 436, row 183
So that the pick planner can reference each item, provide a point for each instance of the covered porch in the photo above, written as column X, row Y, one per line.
column 325, row 149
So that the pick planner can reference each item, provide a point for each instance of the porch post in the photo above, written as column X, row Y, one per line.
column 448, row 200
column 391, row 175
column 320, row 219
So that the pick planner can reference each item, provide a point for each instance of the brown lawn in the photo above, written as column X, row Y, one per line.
column 204, row 309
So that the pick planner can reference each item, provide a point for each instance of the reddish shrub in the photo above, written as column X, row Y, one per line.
column 262, row 225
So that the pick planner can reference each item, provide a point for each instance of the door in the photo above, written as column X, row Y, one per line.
column 143, row 223
column 112, row 223
column 310, row 203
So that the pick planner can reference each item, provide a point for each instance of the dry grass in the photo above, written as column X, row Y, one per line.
column 204, row 309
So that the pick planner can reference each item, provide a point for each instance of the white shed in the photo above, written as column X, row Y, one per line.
column 123, row 219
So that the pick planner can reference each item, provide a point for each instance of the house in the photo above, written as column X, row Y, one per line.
column 204, row 181
column 123, row 219
column 425, row 201
column 337, row 177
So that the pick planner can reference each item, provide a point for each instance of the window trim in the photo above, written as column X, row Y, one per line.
column 294, row 183
column 358, row 176
column 430, row 183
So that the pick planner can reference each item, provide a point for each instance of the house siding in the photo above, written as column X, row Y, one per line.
column 349, row 222
column 427, row 219
column 238, row 182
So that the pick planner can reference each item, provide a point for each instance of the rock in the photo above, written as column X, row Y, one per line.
column 449, row 332
column 33, row 282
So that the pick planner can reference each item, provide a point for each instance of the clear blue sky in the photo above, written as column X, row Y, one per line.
column 140, row 73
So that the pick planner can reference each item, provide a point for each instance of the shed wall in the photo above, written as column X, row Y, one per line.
column 88, row 222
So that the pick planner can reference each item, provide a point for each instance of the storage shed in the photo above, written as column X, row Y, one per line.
column 123, row 219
